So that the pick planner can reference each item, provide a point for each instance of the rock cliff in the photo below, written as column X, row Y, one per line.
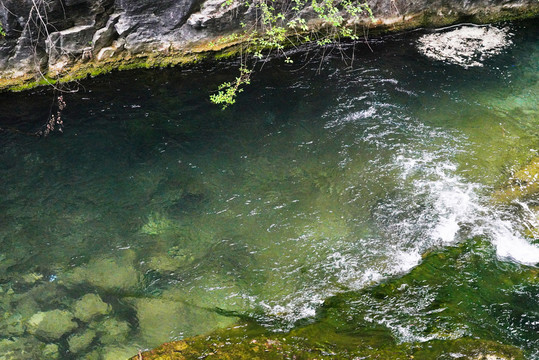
column 73, row 38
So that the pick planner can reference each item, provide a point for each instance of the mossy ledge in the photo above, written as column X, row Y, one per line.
column 342, row 330
column 276, row 347
column 220, row 48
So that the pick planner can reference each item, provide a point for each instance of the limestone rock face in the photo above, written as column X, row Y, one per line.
column 147, row 24
column 78, row 30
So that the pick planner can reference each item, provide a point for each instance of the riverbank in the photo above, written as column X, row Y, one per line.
column 118, row 38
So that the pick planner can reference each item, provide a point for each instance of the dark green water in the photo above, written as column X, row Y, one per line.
column 311, row 190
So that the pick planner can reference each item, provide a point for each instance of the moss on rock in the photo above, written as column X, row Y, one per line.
column 51, row 351
column 112, row 331
column 89, row 307
column 111, row 274
column 80, row 342
column 51, row 325
column 236, row 347
column 432, row 309
column 523, row 184
column 160, row 319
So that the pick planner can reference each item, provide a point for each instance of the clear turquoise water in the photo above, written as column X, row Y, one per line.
column 184, row 218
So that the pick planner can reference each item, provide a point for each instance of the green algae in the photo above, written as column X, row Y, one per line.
column 80, row 342
column 110, row 274
column 51, row 325
column 522, row 185
column 157, row 224
column 89, row 307
column 82, row 70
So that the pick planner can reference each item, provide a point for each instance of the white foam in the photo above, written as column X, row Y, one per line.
column 509, row 244
column 433, row 206
column 467, row 46
column 458, row 207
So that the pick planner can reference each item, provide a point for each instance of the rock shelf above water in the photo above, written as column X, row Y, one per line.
column 90, row 37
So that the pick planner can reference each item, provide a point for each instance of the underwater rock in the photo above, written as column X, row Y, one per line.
column 26, row 306
column 157, row 224
column 13, row 325
column 467, row 46
column 160, row 320
column 210, row 292
column 523, row 184
column 118, row 352
column 522, row 191
column 90, row 306
column 21, row 348
column 112, row 331
column 164, row 263
column 31, row 278
column 51, row 351
column 114, row 274
column 44, row 294
column 51, row 325
column 8, row 348
column 180, row 254
column 80, row 342
column 321, row 341
column 92, row 355
column 421, row 315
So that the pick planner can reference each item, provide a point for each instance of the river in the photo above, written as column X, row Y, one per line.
column 156, row 216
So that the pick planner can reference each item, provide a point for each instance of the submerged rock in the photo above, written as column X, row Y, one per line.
column 421, row 315
column 239, row 345
column 80, row 342
column 51, row 325
column 523, row 184
column 165, row 263
column 26, row 307
column 90, row 306
column 118, row 352
column 160, row 320
column 92, row 355
column 9, row 348
column 157, row 224
column 31, row 278
column 112, row 331
column 27, row 348
column 522, row 191
column 51, row 351
column 12, row 325
column 114, row 274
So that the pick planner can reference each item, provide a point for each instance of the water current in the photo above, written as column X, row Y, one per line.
column 156, row 216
